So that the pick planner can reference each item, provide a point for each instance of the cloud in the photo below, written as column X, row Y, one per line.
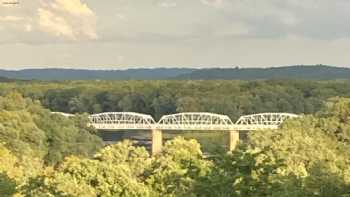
column 156, row 32
column 167, row 4
column 10, row 18
column 121, row 17
column 68, row 18
column 46, row 21
column 214, row 3
column 28, row 27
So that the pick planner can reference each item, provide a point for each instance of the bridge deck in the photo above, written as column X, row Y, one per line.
column 114, row 127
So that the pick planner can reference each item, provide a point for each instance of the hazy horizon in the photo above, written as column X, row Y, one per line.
column 158, row 67
column 122, row 34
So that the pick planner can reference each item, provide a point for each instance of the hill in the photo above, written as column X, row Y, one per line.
column 76, row 74
column 316, row 72
column 5, row 79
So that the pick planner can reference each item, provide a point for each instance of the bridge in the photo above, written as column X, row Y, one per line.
column 187, row 121
column 122, row 121
column 190, row 121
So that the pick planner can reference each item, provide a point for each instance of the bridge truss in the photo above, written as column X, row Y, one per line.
column 195, row 121
column 264, row 120
column 187, row 121
column 122, row 121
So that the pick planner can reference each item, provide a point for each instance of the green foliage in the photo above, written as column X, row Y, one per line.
column 27, row 129
column 46, row 154
column 68, row 137
column 14, row 172
column 7, row 186
column 244, row 172
column 157, row 98
column 83, row 177
column 176, row 170
column 335, row 118
column 315, row 149
column 116, row 170
column 13, row 102
column 125, row 170
column 10, row 173
column 136, row 158
column 20, row 133
column 52, row 183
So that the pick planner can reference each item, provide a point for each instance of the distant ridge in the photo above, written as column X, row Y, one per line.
column 5, row 79
column 313, row 72
column 80, row 74
column 316, row 72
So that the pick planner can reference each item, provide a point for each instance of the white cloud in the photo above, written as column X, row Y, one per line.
column 10, row 18
column 75, row 7
column 177, row 32
column 55, row 25
column 28, row 27
column 234, row 29
column 121, row 17
column 68, row 18
column 167, row 4
column 214, row 3
column 41, row 21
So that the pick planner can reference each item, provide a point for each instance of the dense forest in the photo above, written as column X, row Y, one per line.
column 233, row 98
column 306, row 72
column 44, row 154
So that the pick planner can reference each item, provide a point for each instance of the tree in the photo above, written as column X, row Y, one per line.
column 188, row 104
column 163, row 105
column 175, row 172
column 137, row 158
column 312, row 150
column 13, row 101
column 246, row 172
column 115, row 171
column 21, row 135
column 7, row 185
column 133, row 103
column 28, row 129
column 12, row 172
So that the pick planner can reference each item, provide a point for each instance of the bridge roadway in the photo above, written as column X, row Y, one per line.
column 190, row 121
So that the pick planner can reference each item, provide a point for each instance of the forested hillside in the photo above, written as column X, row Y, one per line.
column 45, row 154
column 76, row 74
column 5, row 79
column 306, row 157
column 311, row 72
column 317, row 72
column 157, row 98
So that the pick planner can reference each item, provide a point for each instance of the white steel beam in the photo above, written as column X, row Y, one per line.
column 187, row 121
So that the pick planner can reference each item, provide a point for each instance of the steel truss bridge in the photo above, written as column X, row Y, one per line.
column 187, row 121
column 202, row 121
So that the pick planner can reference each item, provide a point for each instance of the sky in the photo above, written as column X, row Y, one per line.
column 119, row 34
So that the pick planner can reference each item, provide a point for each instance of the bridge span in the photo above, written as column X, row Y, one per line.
column 190, row 121
column 187, row 121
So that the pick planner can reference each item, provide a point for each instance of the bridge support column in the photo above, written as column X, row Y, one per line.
column 157, row 141
column 233, row 139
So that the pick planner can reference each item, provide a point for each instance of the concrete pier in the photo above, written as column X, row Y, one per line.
column 157, row 141
column 232, row 141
